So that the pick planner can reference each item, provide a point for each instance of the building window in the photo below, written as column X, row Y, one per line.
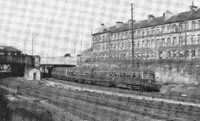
column 198, row 39
column 100, row 38
column 139, row 44
column 107, row 46
column 199, row 53
column 111, row 46
column 163, row 42
column 143, row 33
column 143, row 44
column 152, row 43
column 138, row 32
column 168, row 41
column 147, row 33
column 187, row 40
column 169, row 55
column 103, row 47
column 158, row 43
column 108, row 37
column 103, row 38
column 152, row 55
column 186, row 53
column 180, row 27
column 118, row 47
column 126, row 45
column 174, row 28
column 168, row 28
column 193, row 53
column 130, row 45
column 163, row 29
column 174, row 41
column 199, row 24
column 153, row 32
column 193, row 40
column 126, row 35
column 122, row 46
column 181, row 42
column 181, row 53
column 148, row 43
column 193, row 25
column 160, row 55
column 186, row 26
column 174, row 54
column 114, row 46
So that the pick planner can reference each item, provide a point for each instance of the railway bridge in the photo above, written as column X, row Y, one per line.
column 48, row 63
column 13, row 62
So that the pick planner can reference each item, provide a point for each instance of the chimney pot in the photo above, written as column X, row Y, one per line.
column 119, row 24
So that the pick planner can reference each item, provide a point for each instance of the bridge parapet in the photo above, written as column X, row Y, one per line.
column 10, row 59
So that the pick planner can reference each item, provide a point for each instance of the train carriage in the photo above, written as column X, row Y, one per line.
column 128, row 78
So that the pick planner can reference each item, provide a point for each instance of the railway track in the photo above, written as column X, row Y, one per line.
column 82, row 108
column 149, row 108
column 90, row 104
column 190, row 99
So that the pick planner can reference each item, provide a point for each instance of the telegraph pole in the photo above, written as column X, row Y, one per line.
column 132, row 38
column 33, row 37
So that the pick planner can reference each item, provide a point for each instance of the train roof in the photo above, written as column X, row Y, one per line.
column 96, row 69
column 85, row 69
column 121, row 70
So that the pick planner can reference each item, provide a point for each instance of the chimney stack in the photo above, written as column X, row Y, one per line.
column 167, row 15
column 119, row 24
column 103, row 27
column 151, row 17
column 193, row 8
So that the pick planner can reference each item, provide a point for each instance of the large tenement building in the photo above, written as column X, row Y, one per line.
column 168, row 37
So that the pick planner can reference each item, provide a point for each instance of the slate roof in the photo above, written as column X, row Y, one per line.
column 183, row 16
column 9, row 49
column 188, row 15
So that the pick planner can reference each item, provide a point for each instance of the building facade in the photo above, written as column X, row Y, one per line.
column 168, row 37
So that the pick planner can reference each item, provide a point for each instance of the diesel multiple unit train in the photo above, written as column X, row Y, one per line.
column 127, row 78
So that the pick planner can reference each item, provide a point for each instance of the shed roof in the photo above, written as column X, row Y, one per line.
column 29, row 69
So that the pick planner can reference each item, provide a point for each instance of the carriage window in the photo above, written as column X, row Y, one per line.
column 128, row 75
column 133, row 75
column 124, row 75
column 138, row 76
column 149, row 75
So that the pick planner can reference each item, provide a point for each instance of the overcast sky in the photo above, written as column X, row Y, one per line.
column 56, row 25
